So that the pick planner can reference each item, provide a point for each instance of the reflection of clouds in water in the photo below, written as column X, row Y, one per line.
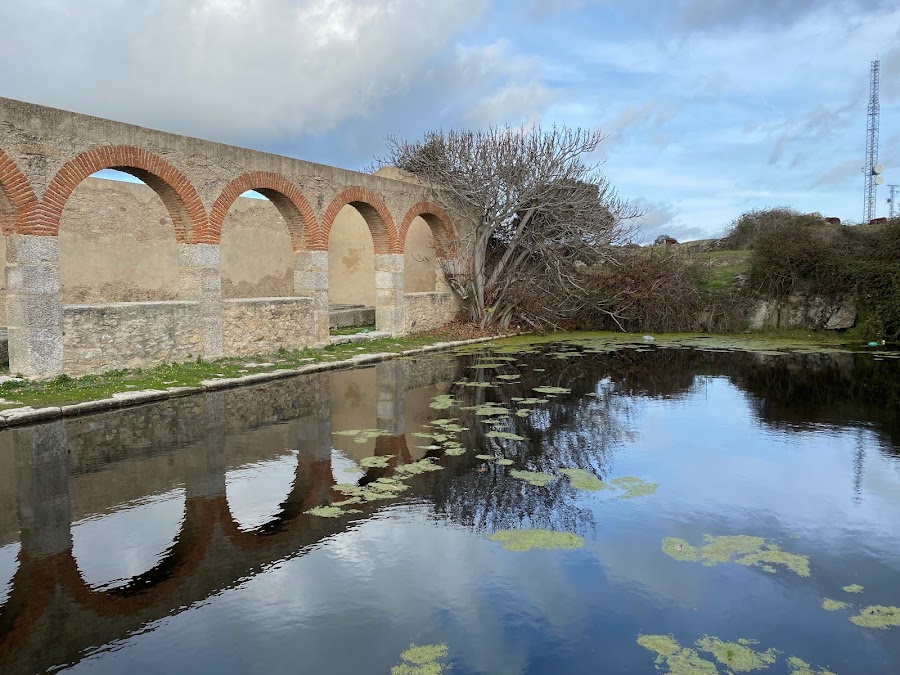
column 404, row 568
column 112, row 548
column 344, row 469
column 762, row 473
column 8, row 567
column 256, row 491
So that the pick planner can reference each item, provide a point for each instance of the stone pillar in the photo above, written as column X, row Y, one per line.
column 42, row 486
column 33, row 310
column 389, row 304
column 311, row 281
column 390, row 379
column 201, row 280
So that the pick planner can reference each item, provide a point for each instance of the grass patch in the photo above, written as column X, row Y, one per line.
column 351, row 330
column 66, row 390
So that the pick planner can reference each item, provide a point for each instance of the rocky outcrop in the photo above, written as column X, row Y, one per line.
column 799, row 311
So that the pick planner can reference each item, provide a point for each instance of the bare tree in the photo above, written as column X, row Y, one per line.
column 542, row 216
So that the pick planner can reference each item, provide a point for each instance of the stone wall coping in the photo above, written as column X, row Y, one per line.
column 280, row 299
column 114, row 306
column 429, row 293
column 28, row 415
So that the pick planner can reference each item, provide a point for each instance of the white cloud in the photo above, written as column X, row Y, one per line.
column 241, row 70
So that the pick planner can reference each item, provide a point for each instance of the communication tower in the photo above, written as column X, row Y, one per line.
column 892, row 200
column 872, row 169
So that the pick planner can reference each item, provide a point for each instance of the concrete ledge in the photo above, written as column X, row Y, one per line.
column 128, row 399
column 344, row 317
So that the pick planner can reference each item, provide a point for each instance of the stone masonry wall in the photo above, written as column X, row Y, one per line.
column 264, row 325
column 427, row 311
column 128, row 335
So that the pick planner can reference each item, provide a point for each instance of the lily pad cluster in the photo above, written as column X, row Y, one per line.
column 739, row 549
column 525, row 540
column 741, row 656
column 422, row 660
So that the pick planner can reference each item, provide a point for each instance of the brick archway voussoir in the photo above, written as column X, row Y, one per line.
column 16, row 191
column 376, row 214
column 174, row 188
column 438, row 220
column 296, row 211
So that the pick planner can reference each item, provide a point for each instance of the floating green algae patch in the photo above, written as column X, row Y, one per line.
column 378, row 462
column 506, row 435
column 738, row 549
column 422, row 660
column 509, row 378
column 416, row 468
column 505, row 462
column 525, row 540
column 363, row 435
column 877, row 616
column 584, row 480
column 329, row 511
column 536, row 478
column 800, row 667
column 679, row 660
column 455, row 452
column 853, row 588
column 834, row 605
column 738, row 656
column 634, row 487
column 552, row 390
column 443, row 402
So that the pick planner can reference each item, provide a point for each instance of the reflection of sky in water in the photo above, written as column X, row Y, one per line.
column 8, row 566
column 359, row 598
column 256, row 491
column 344, row 469
column 112, row 548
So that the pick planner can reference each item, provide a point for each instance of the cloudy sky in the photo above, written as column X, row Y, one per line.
column 712, row 107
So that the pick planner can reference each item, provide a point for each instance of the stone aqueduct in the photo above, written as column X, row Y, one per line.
column 45, row 153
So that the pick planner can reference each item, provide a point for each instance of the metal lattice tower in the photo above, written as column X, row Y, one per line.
column 872, row 142
column 892, row 200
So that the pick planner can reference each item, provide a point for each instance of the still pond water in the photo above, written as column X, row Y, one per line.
column 587, row 505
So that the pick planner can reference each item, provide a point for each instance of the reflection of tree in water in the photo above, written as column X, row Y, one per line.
column 583, row 431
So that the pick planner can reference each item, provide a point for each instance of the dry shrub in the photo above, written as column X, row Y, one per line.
column 643, row 290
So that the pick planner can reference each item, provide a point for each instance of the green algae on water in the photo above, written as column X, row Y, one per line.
column 363, row 435
column 853, row 588
column 443, row 402
column 834, row 605
column 679, row 660
column 416, row 468
column 377, row 462
column 536, row 478
column 680, row 550
column 552, row 390
column 738, row 549
column 584, row 480
column 455, row 452
column 422, row 660
column 505, row 435
column 505, row 462
column 877, row 616
column 328, row 511
column 525, row 540
column 634, row 487
column 800, row 667
column 486, row 458
column 738, row 656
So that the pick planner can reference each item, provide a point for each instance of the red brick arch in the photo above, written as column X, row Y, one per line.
column 173, row 187
column 376, row 214
column 441, row 228
column 17, row 199
column 287, row 198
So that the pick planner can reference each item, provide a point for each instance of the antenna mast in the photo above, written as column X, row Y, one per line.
column 872, row 168
column 892, row 200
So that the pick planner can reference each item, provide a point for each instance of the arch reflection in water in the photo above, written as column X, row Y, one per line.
column 111, row 549
column 257, row 491
column 9, row 555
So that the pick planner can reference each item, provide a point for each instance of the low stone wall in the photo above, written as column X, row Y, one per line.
column 799, row 311
column 128, row 335
column 264, row 325
column 427, row 311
